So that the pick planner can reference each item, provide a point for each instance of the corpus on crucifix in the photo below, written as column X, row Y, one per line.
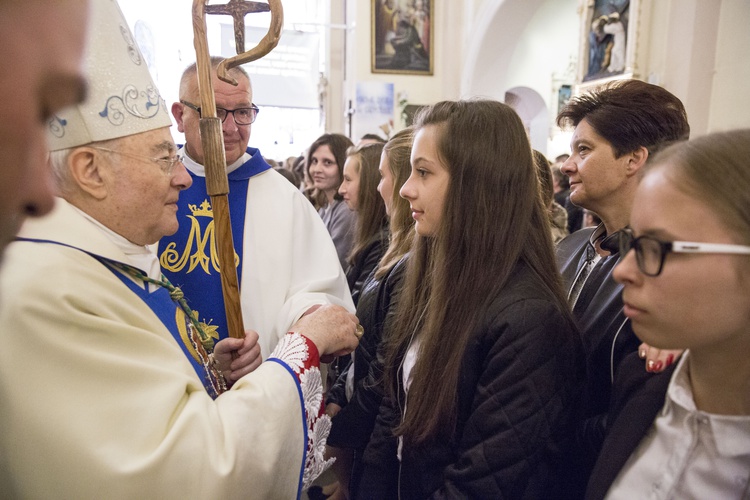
column 238, row 9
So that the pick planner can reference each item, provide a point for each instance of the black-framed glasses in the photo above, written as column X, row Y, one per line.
column 166, row 164
column 242, row 116
column 650, row 252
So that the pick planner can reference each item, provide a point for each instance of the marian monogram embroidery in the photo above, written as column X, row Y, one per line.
column 200, row 248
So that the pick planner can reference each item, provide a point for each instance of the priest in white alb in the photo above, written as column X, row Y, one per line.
column 285, row 258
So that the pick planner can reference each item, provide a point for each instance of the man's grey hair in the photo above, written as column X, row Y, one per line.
column 61, row 173
column 189, row 76
column 58, row 160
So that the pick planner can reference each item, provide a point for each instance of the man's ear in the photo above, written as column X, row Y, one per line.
column 177, row 111
column 637, row 159
column 87, row 171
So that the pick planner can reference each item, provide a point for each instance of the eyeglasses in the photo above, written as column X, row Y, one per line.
column 242, row 116
column 166, row 164
column 651, row 252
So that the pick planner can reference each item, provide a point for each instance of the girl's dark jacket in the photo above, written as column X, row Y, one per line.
column 517, row 391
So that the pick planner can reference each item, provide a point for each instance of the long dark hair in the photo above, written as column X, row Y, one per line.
column 338, row 144
column 492, row 219
column 371, row 216
column 397, row 152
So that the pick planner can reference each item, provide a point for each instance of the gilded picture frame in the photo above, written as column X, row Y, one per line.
column 402, row 36
column 609, row 40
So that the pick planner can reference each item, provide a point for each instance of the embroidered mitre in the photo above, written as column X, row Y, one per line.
column 122, row 99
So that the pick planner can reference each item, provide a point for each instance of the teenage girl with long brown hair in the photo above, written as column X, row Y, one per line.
column 482, row 363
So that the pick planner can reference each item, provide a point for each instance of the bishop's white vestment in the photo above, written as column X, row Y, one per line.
column 98, row 399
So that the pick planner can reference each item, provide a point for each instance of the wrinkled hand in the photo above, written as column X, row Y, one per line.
column 657, row 360
column 332, row 329
column 247, row 356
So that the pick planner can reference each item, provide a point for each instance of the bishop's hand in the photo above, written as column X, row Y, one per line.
column 247, row 357
column 332, row 329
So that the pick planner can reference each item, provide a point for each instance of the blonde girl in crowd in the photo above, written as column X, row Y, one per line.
column 558, row 217
column 360, row 193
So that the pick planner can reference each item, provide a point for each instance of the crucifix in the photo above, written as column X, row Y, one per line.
column 238, row 9
column 212, row 140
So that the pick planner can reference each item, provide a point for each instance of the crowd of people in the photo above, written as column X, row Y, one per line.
column 427, row 315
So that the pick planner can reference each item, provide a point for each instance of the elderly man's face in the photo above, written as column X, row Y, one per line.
column 141, row 202
column 41, row 46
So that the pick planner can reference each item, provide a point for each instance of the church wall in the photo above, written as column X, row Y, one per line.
column 543, row 47
column 700, row 51
column 730, row 98
column 697, row 49
column 335, row 109
column 529, row 44
column 444, row 83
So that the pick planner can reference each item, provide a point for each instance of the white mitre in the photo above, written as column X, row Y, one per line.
column 122, row 99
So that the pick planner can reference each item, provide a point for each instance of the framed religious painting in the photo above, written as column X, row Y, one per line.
column 609, row 31
column 402, row 36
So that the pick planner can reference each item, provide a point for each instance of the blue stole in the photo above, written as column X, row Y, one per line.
column 188, row 257
column 161, row 303
column 174, row 319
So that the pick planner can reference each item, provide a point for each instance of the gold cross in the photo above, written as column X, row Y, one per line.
column 238, row 9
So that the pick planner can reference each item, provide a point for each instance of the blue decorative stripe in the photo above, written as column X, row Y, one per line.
column 160, row 303
column 304, row 420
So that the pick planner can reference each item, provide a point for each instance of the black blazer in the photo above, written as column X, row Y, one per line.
column 352, row 426
column 637, row 398
column 365, row 263
column 607, row 336
column 516, row 397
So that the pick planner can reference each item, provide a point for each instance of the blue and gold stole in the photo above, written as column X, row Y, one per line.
column 169, row 306
column 188, row 257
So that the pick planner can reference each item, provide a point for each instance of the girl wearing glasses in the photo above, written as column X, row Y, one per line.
column 685, row 433
column 482, row 363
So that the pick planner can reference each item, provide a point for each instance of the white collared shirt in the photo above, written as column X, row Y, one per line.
column 688, row 453
column 592, row 258
column 198, row 169
column 139, row 256
column 410, row 360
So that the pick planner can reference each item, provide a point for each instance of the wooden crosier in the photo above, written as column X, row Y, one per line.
column 212, row 141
